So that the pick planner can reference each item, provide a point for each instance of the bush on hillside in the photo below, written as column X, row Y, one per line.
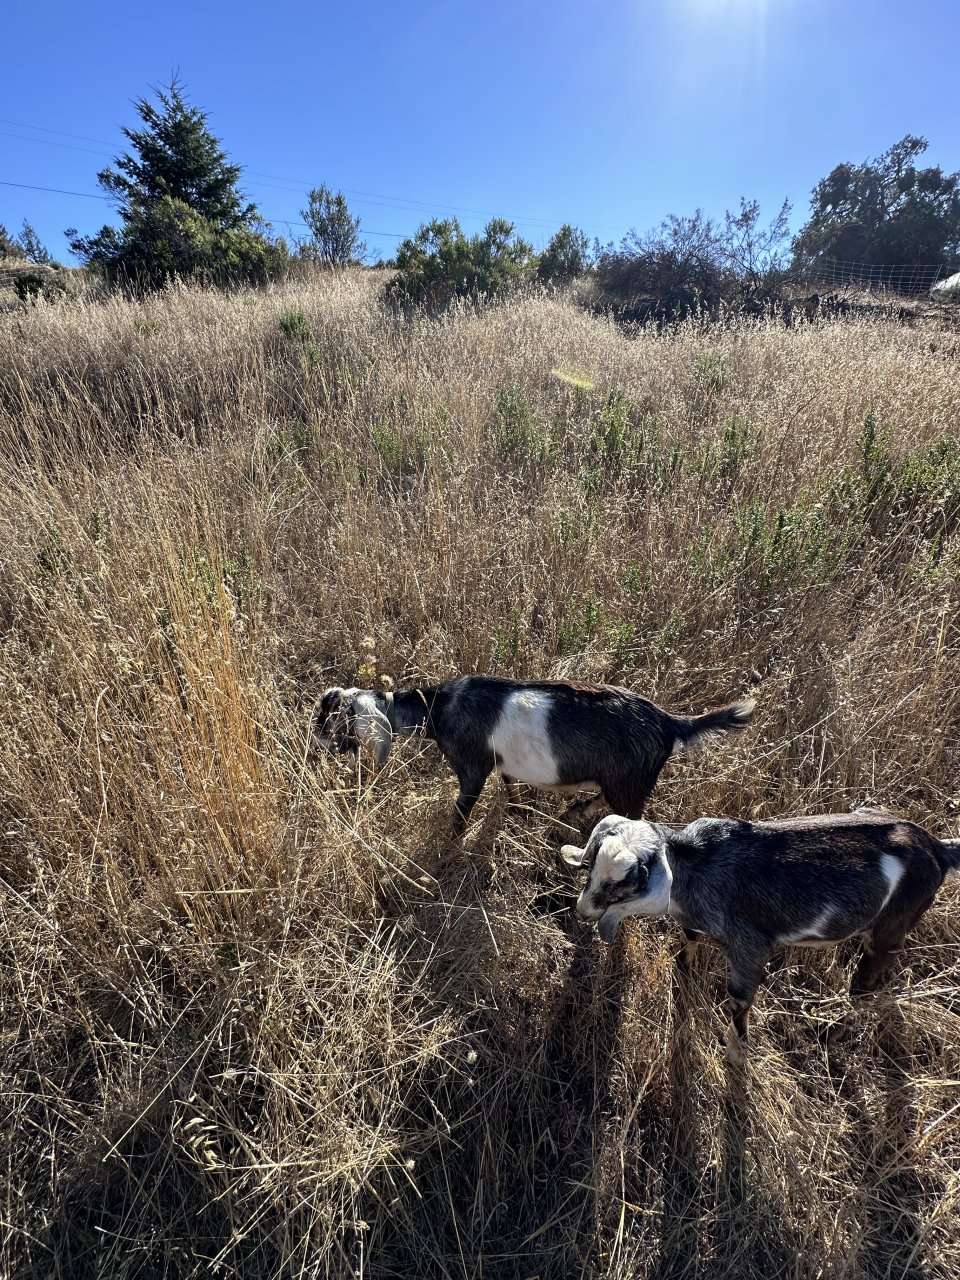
column 39, row 283
column 441, row 263
column 565, row 257
column 334, row 239
column 666, row 273
column 693, row 265
column 167, row 238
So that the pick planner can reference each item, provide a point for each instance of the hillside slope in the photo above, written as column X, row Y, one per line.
column 259, row 1017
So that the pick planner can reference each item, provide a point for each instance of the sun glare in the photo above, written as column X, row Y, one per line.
column 728, row 10
column 711, row 35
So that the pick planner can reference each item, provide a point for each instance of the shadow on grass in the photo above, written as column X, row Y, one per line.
column 515, row 1185
column 719, row 1221
column 685, row 1197
column 885, row 1161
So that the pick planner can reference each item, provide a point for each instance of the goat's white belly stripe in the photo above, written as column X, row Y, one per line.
column 813, row 935
column 893, row 870
column 522, row 741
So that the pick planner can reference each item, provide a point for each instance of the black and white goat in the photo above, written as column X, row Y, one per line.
column 751, row 886
column 553, row 734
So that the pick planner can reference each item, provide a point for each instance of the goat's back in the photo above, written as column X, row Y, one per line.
column 595, row 715
column 830, row 875
column 582, row 714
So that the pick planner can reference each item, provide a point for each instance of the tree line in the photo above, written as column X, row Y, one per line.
column 182, row 214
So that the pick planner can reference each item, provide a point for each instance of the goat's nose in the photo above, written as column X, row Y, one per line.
column 584, row 908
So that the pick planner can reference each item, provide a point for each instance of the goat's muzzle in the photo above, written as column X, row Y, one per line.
column 607, row 926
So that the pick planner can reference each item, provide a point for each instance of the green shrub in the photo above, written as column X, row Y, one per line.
column 295, row 326
column 29, row 286
column 514, row 433
column 565, row 257
column 611, row 438
column 334, row 233
column 441, row 263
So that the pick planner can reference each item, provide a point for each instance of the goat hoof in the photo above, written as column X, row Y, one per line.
column 828, row 1033
column 735, row 1048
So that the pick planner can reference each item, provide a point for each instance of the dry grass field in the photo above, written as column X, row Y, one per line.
column 258, row 1016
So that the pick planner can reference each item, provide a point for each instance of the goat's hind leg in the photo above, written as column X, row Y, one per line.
column 747, row 964
column 880, row 947
column 622, row 796
column 686, row 951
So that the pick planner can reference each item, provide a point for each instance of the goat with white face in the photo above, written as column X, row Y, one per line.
column 751, row 886
column 553, row 734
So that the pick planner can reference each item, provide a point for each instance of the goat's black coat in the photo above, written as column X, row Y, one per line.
column 791, row 871
column 597, row 734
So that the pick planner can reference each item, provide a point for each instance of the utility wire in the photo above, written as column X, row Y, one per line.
column 28, row 186
column 90, row 195
column 48, row 142
column 18, row 124
column 388, row 201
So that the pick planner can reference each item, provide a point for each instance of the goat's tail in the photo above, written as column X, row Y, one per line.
column 693, row 732
column 951, row 854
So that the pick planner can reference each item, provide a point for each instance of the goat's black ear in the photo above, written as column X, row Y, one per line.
column 331, row 700
column 640, row 877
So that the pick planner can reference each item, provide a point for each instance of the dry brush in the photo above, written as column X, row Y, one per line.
column 258, row 1019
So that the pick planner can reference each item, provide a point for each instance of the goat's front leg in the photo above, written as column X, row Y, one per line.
column 748, row 960
column 513, row 791
column 687, row 950
column 471, row 776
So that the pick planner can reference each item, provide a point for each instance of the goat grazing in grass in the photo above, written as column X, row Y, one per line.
column 751, row 886
column 553, row 734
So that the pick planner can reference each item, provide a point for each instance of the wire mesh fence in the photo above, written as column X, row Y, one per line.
column 906, row 278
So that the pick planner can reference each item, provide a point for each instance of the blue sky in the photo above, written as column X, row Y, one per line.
column 608, row 115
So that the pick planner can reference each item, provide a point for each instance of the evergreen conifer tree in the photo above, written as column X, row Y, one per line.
column 178, row 200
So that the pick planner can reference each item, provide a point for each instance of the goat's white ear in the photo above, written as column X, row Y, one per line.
column 374, row 731
column 571, row 855
column 382, row 740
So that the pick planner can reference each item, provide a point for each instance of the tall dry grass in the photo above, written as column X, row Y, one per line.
column 258, row 1018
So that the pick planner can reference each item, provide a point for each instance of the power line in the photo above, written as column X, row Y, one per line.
column 28, row 186
column 88, row 151
column 89, row 195
column 403, row 203
column 288, row 222
column 18, row 124
column 48, row 142
column 367, row 231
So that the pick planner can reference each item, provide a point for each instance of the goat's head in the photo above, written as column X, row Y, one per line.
column 348, row 719
column 627, row 873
